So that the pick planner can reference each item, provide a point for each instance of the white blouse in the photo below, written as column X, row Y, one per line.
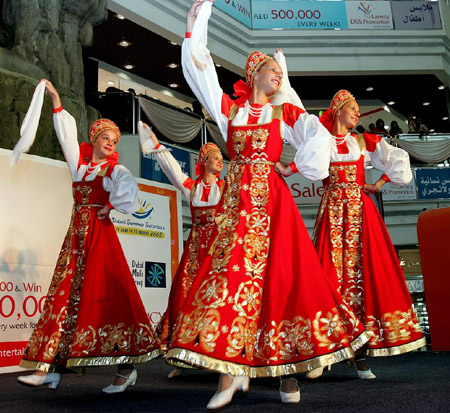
column 122, row 185
column 394, row 162
column 307, row 135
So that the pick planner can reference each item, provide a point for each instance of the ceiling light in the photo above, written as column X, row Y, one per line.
column 119, row 16
column 173, row 43
column 172, row 65
column 124, row 43
column 174, row 85
column 217, row 65
column 369, row 89
column 128, row 66
column 442, row 87
column 110, row 82
column 426, row 103
column 431, row 130
column 391, row 103
column 445, row 118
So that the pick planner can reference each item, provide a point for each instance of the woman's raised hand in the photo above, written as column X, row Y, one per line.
column 53, row 93
column 193, row 13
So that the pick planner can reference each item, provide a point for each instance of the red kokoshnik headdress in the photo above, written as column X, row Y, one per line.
column 86, row 149
column 339, row 100
column 100, row 125
column 254, row 62
column 205, row 151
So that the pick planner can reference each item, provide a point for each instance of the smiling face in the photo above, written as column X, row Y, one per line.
column 269, row 77
column 214, row 163
column 348, row 115
column 105, row 144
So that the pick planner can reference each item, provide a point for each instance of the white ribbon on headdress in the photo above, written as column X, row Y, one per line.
column 29, row 124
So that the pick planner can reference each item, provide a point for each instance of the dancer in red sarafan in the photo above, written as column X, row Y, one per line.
column 93, row 314
column 352, row 241
column 260, row 305
column 203, row 195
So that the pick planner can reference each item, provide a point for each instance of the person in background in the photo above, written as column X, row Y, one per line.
column 352, row 241
column 93, row 314
column 380, row 129
column 395, row 130
column 203, row 195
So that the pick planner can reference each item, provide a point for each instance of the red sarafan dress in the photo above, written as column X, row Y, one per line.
column 93, row 314
column 356, row 251
column 204, row 202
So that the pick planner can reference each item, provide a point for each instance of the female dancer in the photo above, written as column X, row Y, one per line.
column 352, row 241
column 253, row 310
column 93, row 314
column 203, row 195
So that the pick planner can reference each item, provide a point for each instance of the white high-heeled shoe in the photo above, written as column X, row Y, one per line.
column 130, row 380
column 365, row 374
column 222, row 398
column 290, row 397
column 52, row 379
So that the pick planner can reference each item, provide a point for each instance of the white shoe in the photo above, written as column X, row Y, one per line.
column 366, row 374
column 314, row 374
column 130, row 381
column 175, row 372
column 290, row 397
column 222, row 398
column 52, row 379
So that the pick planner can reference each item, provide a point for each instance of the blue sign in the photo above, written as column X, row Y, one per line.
column 317, row 15
column 433, row 183
column 150, row 168
column 239, row 9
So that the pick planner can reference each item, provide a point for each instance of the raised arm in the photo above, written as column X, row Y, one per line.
column 66, row 129
column 168, row 164
column 198, row 66
column 286, row 94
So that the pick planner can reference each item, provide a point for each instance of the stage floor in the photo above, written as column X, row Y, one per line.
column 416, row 382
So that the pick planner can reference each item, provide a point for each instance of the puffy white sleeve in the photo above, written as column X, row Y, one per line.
column 172, row 169
column 66, row 131
column 286, row 94
column 123, row 190
column 312, row 143
column 199, row 71
column 394, row 162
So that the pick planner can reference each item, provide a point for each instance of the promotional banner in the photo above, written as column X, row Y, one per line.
column 390, row 191
column 238, row 9
column 35, row 214
column 150, row 168
column 416, row 15
column 303, row 190
column 433, row 183
column 369, row 15
column 299, row 15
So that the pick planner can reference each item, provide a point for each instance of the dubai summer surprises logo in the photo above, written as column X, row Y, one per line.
column 366, row 9
column 144, row 210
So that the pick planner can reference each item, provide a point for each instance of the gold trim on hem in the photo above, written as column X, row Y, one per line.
column 41, row 366
column 393, row 351
column 111, row 360
column 89, row 361
column 210, row 363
